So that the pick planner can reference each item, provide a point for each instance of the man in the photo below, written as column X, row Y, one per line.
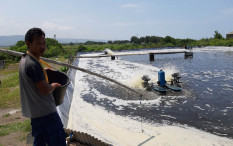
column 37, row 101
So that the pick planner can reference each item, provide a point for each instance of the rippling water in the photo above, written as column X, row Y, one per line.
column 206, row 101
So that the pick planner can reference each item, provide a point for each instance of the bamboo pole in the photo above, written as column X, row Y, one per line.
column 93, row 56
column 14, row 53
column 126, row 54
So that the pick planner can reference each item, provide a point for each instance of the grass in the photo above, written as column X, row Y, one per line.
column 60, row 59
column 24, row 127
column 10, row 99
column 9, row 69
column 6, row 115
column 9, row 87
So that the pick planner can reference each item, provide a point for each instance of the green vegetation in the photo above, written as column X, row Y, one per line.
column 148, row 42
column 9, row 87
column 6, row 115
column 54, row 49
column 68, row 51
column 64, row 69
column 15, row 127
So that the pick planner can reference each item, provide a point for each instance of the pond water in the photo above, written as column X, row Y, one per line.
column 208, row 78
column 206, row 101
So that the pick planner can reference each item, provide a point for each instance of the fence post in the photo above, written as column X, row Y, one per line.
column 151, row 55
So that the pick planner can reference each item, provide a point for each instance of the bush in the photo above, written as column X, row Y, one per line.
column 169, row 45
column 229, row 43
column 22, row 49
column 81, row 48
column 9, row 58
column 20, row 43
column 64, row 69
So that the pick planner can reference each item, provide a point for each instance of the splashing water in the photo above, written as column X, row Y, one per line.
column 136, row 81
column 169, row 70
column 98, row 112
column 108, row 51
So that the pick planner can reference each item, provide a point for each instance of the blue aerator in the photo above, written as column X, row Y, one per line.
column 161, row 78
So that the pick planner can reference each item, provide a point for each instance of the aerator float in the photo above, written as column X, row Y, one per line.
column 162, row 86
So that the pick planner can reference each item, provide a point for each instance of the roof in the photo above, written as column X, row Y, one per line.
column 230, row 32
column 83, row 139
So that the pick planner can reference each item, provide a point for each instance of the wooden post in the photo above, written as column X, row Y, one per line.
column 152, row 58
column 112, row 57
column 188, row 54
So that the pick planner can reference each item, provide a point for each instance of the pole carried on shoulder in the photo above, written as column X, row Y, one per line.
column 20, row 54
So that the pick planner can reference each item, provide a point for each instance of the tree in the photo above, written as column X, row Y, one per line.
column 135, row 40
column 217, row 35
column 20, row 43
column 169, row 39
column 54, row 48
column 109, row 42
column 81, row 48
column 154, row 39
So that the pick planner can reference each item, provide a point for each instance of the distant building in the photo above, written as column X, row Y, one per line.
column 229, row 35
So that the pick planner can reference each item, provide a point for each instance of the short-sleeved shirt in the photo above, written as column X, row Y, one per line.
column 33, row 103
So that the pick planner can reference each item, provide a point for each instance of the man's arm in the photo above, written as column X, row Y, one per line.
column 45, row 88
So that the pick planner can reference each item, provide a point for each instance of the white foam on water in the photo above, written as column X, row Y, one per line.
column 122, row 131
column 207, row 105
column 168, row 116
column 225, row 110
column 117, row 130
column 109, row 51
column 208, row 92
column 228, row 89
column 198, row 107
column 169, row 70
column 227, row 85
column 213, row 48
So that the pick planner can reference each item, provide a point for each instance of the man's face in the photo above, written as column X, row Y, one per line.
column 38, row 46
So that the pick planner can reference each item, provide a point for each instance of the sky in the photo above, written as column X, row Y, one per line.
column 117, row 19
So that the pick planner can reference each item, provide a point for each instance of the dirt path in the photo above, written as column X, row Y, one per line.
column 11, row 116
column 14, row 138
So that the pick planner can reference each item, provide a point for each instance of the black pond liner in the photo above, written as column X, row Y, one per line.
column 61, row 78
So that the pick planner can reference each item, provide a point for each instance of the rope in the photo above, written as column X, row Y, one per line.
column 39, row 61
column 141, row 112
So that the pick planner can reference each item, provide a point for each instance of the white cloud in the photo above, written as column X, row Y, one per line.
column 52, row 26
column 130, row 6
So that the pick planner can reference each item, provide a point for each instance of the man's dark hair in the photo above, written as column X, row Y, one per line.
column 33, row 32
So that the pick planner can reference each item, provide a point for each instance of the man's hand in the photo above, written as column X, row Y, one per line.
column 48, row 69
column 56, row 85
column 45, row 88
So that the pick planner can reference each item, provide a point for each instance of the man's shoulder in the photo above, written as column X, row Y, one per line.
column 32, row 68
column 30, row 61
